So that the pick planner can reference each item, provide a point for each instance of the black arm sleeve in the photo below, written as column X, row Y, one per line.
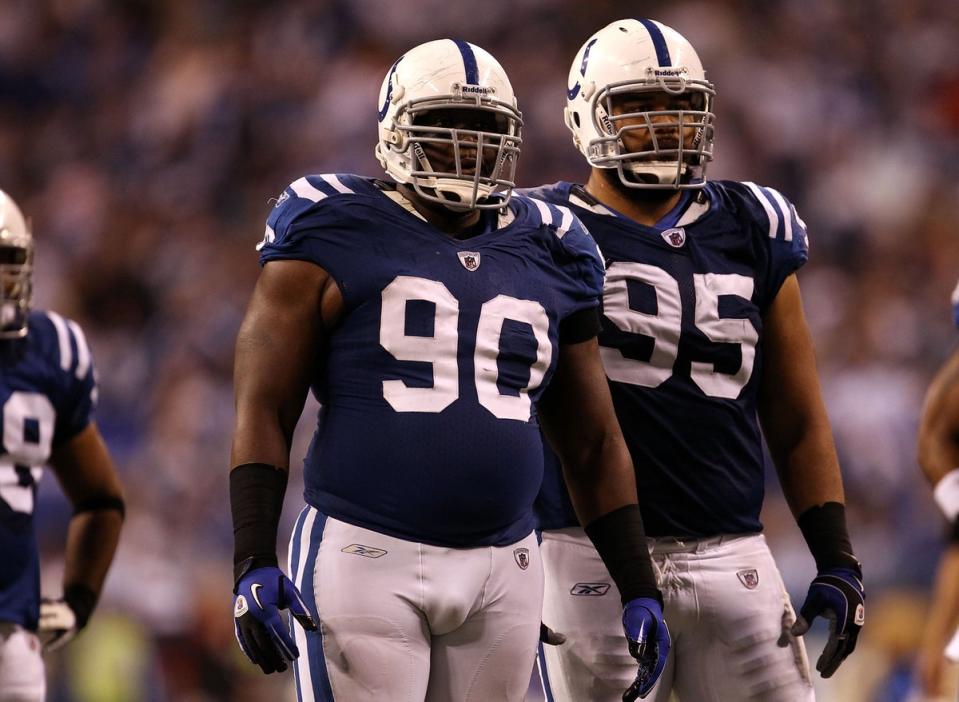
column 620, row 539
column 580, row 326
column 256, row 500
column 824, row 528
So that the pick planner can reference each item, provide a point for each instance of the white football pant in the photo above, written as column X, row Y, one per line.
column 727, row 611
column 21, row 665
column 408, row 622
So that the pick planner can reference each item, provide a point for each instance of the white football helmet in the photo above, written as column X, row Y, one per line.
column 446, row 163
column 16, row 268
column 618, row 68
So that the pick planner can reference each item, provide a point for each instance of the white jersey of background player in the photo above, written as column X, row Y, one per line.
column 703, row 341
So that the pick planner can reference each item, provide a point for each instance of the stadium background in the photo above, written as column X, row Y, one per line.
column 145, row 140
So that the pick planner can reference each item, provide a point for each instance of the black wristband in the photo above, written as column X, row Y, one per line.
column 954, row 532
column 620, row 540
column 98, row 503
column 256, row 501
column 81, row 600
column 824, row 528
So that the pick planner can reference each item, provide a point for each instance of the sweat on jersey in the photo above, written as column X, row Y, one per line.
column 682, row 347
column 47, row 396
column 428, row 428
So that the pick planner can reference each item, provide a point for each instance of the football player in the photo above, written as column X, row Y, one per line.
column 703, row 341
column 440, row 323
column 47, row 397
column 939, row 460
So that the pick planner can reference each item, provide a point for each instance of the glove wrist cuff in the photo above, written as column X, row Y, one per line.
column 826, row 534
column 252, row 563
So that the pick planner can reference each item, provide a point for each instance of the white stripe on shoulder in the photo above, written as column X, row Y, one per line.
column 767, row 205
column 269, row 236
column 335, row 182
column 83, row 350
column 545, row 214
column 402, row 202
column 63, row 339
column 303, row 188
column 566, row 222
column 784, row 208
column 695, row 210
column 575, row 199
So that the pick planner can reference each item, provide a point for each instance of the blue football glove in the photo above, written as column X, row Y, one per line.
column 264, row 637
column 836, row 594
column 649, row 643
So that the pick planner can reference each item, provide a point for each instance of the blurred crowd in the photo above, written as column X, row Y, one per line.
column 145, row 140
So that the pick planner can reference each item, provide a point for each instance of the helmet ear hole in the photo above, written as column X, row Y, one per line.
column 576, row 118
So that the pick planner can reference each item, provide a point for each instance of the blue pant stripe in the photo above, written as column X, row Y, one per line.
column 544, row 674
column 322, row 690
column 292, row 565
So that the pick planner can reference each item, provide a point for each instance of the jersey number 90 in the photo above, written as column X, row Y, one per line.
column 440, row 349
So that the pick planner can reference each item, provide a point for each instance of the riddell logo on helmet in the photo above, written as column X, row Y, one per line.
column 468, row 89
column 669, row 71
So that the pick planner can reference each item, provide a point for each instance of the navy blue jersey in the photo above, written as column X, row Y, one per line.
column 428, row 429
column 682, row 347
column 47, row 395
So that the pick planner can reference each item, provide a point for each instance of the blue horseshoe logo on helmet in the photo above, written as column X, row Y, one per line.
column 389, row 89
column 574, row 91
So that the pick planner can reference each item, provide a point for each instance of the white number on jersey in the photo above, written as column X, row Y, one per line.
column 28, row 420
column 440, row 349
column 665, row 327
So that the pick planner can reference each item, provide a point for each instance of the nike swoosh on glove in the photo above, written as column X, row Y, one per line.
column 649, row 644
column 264, row 637
column 836, row 594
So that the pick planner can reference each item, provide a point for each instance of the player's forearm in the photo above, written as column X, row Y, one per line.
column 810, row 478
column 602, row 487
column 944, row 606
column 938, row 453
column 809, row 470
column 92, row 540
column 600, row 480
column 268, row 405
column 938, row 440
column 259, row 437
